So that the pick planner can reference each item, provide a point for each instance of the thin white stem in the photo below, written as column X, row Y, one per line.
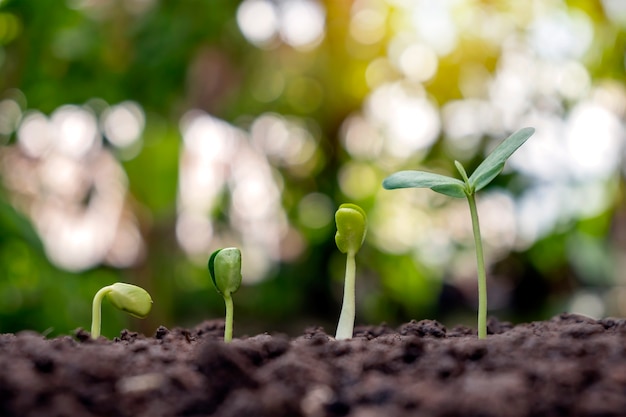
column 96, row 310
column 346, row 319
column 482, row 275
column 228, row 325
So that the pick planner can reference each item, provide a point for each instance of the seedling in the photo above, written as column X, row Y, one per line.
column 351, row 229
column 225, row 269
column 129, row 298
column 483, row 175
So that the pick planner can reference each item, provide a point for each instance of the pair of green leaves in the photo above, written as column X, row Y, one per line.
column 483, row 175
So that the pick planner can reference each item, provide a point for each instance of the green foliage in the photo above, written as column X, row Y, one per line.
column 494, row 163
column 483, row 175
column 420, row 179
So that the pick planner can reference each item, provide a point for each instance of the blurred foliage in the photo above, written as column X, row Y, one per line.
column 174, row 56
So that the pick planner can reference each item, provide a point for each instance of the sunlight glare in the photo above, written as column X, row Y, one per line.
column 302, row 23
column 194, row 231
column 559, row 35
column 367, row 24
column 594, row 141
column 615, row 10
column 361, row 139
column 75, row 131
column 34, row 135
column 258, row 21
column 418, row 62
column 123, row 123
column 410, row 121
column 434, row 25
column 219, row 159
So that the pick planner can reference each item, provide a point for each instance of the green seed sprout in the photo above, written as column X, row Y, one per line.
column 351, row 229
column 225, row 269
column 129, row 298
column 491, row 166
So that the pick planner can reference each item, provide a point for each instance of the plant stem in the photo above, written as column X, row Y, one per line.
column 482, row 275
column 96, row 311
column 346, row 318
column 228, row 326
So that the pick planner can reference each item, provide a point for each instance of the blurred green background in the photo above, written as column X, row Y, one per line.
column 137, row 136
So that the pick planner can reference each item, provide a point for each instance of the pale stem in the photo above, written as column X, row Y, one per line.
column 96, row 310
column 482, row 276
column 228, row 326
column 346, row 318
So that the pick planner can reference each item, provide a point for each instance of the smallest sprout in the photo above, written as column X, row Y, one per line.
column 351, row 230
column 225, row 269
column 129, row 298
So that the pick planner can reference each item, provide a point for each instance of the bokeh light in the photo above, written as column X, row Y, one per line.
column 123, row 124
column 10, row 27
column 408, row 119
column 10, row 116
column 73, row 190
column 258, row 20
column 218, row 158
column 302, row 23
column 298, row 23
column 368, row 21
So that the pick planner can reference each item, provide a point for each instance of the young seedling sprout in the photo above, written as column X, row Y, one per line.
column 351, row 229
column 483, row 175
column 225, row 269
column 129, row 298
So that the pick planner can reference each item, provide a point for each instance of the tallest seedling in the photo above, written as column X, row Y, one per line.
column 484, row 174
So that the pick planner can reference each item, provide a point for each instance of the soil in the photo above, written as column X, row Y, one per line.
column 567, row 366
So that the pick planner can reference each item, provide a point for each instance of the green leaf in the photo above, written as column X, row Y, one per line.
column 130, row 298
column 225, row 270
column 419, row 179
column 351, row 228
column 494, row 163
column 459, row 167
column 211, row 266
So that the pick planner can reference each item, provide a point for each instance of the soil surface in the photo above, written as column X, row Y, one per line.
column 567, row 366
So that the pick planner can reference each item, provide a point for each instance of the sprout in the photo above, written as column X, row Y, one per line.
column 483, row 175
column 225, row 269
column 129, row 298
column 351, row 229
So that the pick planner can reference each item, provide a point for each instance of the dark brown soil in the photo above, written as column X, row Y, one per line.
column 567, row 366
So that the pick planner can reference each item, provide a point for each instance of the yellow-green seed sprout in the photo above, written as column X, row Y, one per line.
column 351, row 230
column 127, row 297
column 225, row 269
